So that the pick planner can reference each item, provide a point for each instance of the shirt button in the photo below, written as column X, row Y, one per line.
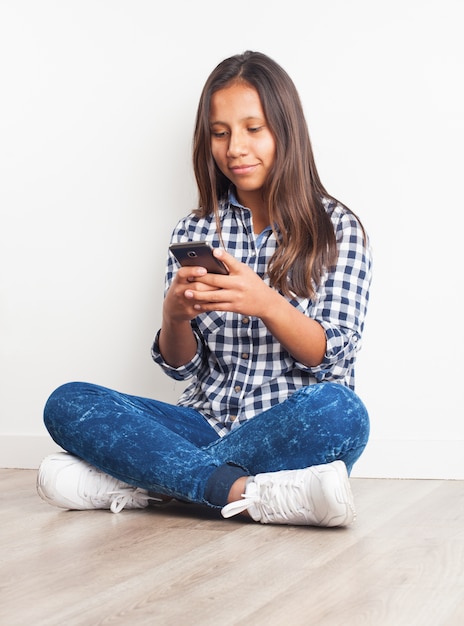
column 245, row 320
column 233, row 418
column 245, row 355
column 237, row 388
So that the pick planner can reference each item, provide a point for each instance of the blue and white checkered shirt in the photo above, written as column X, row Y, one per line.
column 239, row 369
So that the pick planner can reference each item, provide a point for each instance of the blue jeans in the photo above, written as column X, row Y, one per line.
column 173, row 450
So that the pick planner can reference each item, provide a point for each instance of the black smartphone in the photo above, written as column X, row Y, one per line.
column 198, row 253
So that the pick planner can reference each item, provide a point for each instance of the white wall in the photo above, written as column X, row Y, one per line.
column 97, row 104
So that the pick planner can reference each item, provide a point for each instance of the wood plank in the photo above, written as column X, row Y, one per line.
column 400, row 563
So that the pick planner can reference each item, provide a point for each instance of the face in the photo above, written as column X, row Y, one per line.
column 241, row 142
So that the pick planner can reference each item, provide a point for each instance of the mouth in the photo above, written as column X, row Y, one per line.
column 241, row 170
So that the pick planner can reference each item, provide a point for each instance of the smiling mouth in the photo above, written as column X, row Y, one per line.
column 242, row 169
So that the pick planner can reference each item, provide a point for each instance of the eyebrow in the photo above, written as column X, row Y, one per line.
column 244, row 119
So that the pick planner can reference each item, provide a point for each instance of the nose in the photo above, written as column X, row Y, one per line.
column 237, row 145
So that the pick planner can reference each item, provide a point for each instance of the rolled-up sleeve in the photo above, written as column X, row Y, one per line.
column 184, row 372
column 342, row 299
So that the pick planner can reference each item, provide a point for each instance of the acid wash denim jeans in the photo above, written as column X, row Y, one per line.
column 173, row 450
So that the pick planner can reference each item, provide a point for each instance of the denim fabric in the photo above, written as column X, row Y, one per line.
column 173, row 450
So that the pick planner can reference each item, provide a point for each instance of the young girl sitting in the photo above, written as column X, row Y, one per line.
column 270, row 425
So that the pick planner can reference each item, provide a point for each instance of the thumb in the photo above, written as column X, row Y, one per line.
column 230, row 261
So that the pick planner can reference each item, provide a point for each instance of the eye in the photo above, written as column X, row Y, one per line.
column 219, row 133
column 255, row 129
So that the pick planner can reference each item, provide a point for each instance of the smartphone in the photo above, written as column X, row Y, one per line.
column 198, row 253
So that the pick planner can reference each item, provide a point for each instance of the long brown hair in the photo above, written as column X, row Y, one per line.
column 293, row 191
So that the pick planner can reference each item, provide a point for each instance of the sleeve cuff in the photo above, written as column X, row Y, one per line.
column 178, row 373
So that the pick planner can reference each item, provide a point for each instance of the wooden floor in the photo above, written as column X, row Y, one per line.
column 401, row 563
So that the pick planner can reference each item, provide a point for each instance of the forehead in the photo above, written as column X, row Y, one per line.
column 236, row 100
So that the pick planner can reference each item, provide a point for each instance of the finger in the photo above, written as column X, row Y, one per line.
column 230, row 261
column 201, row 293
column 190, row 274
column 201, row 284
column 207, row 307
column 211, row 296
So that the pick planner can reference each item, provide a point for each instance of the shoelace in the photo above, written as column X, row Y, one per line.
column 101, row 489
column 285, row 501
column 97, row 486
column 248, row 499
column 123, row 497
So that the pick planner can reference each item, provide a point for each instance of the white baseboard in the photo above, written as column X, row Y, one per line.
column 25, row 451
column 389, row 458
column 428, row 459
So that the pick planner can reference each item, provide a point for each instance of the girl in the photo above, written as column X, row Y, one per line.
column 270, row 426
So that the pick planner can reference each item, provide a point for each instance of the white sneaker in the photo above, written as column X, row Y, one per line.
column 68, row 482
column 315, row 496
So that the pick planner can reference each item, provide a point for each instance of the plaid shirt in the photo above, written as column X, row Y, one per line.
column 239, row 369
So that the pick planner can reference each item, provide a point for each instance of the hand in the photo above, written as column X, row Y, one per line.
column 241, row 291
column 194, row 291
column 177, row 306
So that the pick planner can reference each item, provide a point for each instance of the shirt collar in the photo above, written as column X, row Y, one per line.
column 232, row 199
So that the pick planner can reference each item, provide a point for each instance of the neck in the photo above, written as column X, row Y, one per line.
column 254, row 201
column 260, row 221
